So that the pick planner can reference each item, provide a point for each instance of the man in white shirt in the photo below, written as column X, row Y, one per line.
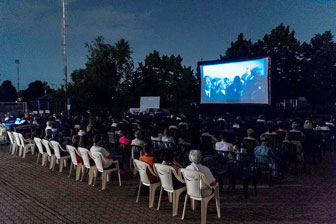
column 195, row 158
column 137, row 141
column 223, row 145
column 107, row 161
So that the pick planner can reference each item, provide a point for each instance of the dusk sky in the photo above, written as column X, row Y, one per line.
column 30, row 30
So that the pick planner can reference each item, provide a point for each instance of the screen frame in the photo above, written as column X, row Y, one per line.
column 224, row 61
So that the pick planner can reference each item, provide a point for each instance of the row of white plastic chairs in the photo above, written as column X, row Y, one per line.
column 23, row 146
column 196, row 185
column 195, row 181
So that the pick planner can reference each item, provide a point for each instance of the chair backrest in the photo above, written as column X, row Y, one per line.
column 97, row 157
column 85, row 156
column 136, row 151
column 38, row 143
column 165, row 174
column 111, row 137
column 57, row 147
column 17, row 139
column 46, row 145
column 21, row 139
column 72, row 151
column 142, row 167
column 157, row 145
column 11, row 137
column 193, row 180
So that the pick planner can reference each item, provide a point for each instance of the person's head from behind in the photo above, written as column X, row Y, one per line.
column 83, row 141
column 168, row 156
column 97, row 139
column 137, row 134
column 223, row 137
column 49, row 132
column 166, row 132
column 147, row 149
column 250, row 133
column 195, row 156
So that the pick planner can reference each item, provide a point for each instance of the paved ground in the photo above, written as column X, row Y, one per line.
column 30, row 193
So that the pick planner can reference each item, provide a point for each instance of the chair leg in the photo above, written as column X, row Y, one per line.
column 160, row 198
column 204, row 209
column 140, row 185
column 61, row 163
column 176, row 196
column 170, row 197
column 38, row 157
column 84, row 169
column 217, row 199
column 184, row 206
column 71, row 165
column 151, row 195
column 119, row 177
column 193, row 204
column 78, row 170
column 104, row 180
column 90, row 176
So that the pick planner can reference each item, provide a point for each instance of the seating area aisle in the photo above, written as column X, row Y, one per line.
column 31, row 193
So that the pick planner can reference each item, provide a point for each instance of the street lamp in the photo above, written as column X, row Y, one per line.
column 18, row 75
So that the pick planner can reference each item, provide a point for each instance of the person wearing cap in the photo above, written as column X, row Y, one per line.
column 195, row 157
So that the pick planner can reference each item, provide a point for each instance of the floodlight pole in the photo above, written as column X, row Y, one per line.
column 65, row 57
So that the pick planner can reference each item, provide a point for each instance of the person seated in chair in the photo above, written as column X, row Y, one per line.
column 137, row 141
column 195, row 157
column 107, row 161
column 150, row 160
column 168, row 159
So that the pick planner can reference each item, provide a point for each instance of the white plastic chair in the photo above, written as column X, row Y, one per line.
column 17, row 143
column 194, row 181
column 74, row 164
column 86, row 160
column 61, row 159
column 165, row 174
column 27, row 144
column 99, row 160
column 3, row 135
column 40, row 152
column 51, row 156
column 144, row 180
column 12, row 142
column 135, row 149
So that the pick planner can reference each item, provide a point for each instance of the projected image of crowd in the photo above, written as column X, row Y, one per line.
column 250, row 86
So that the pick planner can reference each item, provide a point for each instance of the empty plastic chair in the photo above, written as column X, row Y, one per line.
column 99, row 159
column 12, row 142
column 166, row 174
column 40, row 152
column 27, row 144
column 200, row 190
column 18, row 147
column 144, row 180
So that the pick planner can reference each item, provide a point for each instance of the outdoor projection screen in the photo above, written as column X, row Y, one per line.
column 237, row 82
column 149, row 102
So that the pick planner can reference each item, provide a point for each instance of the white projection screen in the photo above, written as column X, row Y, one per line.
column 237, row 82
column 149, row 102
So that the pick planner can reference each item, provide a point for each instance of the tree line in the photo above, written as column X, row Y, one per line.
column 110, row 79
